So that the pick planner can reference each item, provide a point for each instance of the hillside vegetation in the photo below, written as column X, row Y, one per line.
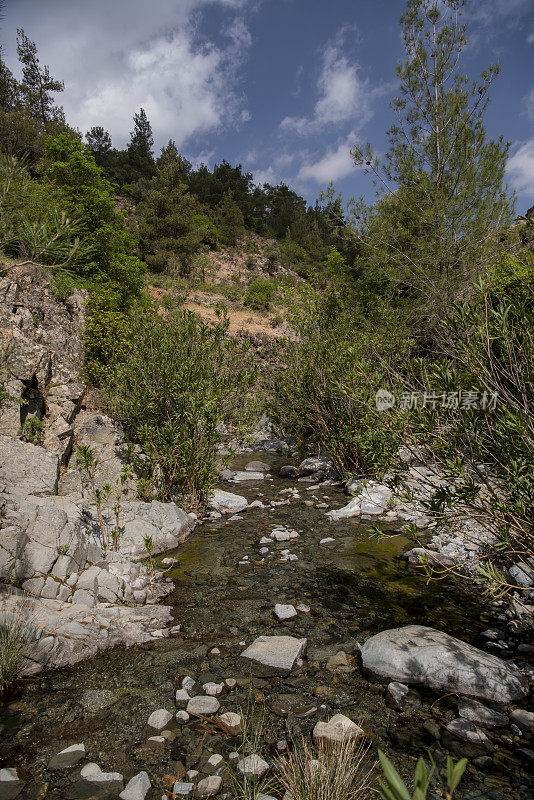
column 425, row 293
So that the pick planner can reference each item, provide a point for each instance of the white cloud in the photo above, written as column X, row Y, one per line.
column 491, row 11
column 335, row 164
column 530, row 38
column 262, row 176
column 520, row 169
column 118, row 56
column 343, row 96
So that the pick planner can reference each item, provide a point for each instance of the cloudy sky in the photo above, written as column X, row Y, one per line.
column 285, row 87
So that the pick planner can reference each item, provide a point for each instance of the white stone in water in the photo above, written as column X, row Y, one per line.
column 203, row 706
column 192, row 774
column 395, row 694
column 181, row 717
column 214, row 763
column 285, row 611
column 327, row 540
column 264, row 550
column 292, row 557
column 188, row 683
column 234, row 756
column 253, row 766
column 256, row 504
column 305, row 609
column 338, row 729
column 227, row 503
column 182, row 697
column 110, row 781
column 136, row 788
column 416, row 654
column 159, row 719
column 231, row 683
column 182, row 789
column 265, row 540
column 68, row 757
column 213, row 689
column 232, row 723
column 10, row 783
column 90, row 769
column 215, row 651
column 209, row 786
column 275, row 654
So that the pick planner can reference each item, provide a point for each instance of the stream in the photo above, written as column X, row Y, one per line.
column 354, row 586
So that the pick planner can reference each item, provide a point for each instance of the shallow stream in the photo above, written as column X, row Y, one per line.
column 355, row 586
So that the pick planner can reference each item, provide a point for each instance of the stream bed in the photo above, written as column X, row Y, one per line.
column 224, row 596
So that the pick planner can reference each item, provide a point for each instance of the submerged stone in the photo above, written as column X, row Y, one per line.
column 275, row 655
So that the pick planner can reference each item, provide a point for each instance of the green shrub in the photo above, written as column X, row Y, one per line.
column 335, row 363
column 33, row 430
column 175, row 386
column 260, row 294
column 16, row 632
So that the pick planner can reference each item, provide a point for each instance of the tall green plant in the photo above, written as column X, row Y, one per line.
column 178, row 385
column 442, row 201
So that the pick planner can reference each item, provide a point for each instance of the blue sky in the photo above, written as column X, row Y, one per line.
column 285, row 87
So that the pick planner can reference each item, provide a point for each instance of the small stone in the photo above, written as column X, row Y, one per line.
column 159, row 719
column 90, row 769
column 10, row 783
column 203, row 706
column 284, row 611
column 523, row 719
column 477, row 712
column 181, row 717
column 303, row 608
column 336, row 730
column 232, row 723
column 230, row 683
column 215, row 651
column 209, row 786
column 253, row 766
column 395, row 695
column 192, row 774
column 213, row 764
column 234, row 756
column 265, row 540
column 68, row 757
column 275, row 655
column 188, row 683
column 327, row 540
column 467, row 731
column 341, row 662
column 213, row 689
column 182, row 697
column 183, row 789
column 136, row 788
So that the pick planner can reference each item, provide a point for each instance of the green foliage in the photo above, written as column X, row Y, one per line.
column 337, row 361
column 488, row 349
column 106, row 333
column 272, row 254
column 230, row 222
column 260, row 294
column 33, row 430
column 177, row 383
column 37, row 84
column 443, row 204
column 392, row 787
column 105, row 497
column 16, row 633
column 33, row 227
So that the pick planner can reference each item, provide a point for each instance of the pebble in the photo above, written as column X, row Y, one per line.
column 253, row 766
column 284, row 611
column 68, row 757
column 188, row 683
column 213, row 764
column 395, row 694
column 182, row 697
column 209, row 786
column 181, row 717
column 303, row 608
column 327, row 540
column 136, row 788
column 336, row 730
column 477, row 712
column 523, row 719
column 159, row 719
column 203, row 706
column 232, row 723
column 213, row 689
column 183, row 789
column 230, row 683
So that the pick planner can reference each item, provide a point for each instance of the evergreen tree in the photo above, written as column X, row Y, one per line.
column 99, row 143
column 229, row 220
column 37, row 84
column 442, row 201
column 140, row 147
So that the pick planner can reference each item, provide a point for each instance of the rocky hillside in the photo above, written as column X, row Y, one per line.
column 59, row 556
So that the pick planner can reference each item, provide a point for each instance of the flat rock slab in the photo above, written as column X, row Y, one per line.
column 226, row 502
column 27, row 469
column 424, row 656
column 474, row 711
column 274, row 655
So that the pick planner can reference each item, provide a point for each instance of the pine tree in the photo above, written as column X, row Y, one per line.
column 442, row 203
column 37, row 84
column 99, row 143
column 140, row 147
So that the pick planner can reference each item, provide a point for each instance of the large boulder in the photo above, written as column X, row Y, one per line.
column 27, row 469
column 226, row 502
column 166, row 523
column 420, row 655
